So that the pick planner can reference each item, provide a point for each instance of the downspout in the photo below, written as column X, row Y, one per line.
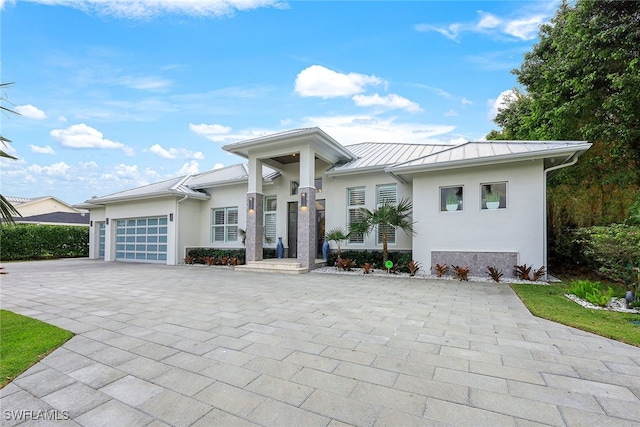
column 176, row 223
column 570, row 161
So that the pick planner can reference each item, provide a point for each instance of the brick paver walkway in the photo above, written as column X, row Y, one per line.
column 204, row 346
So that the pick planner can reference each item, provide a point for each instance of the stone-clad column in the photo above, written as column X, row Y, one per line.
column 255, row 227
column 307, row 222
column 255, row 217
column 307, row 225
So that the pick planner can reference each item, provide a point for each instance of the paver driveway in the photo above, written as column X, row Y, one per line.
column 194, row 345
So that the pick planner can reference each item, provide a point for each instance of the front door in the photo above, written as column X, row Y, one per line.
column 319, row 227
column 292, row 229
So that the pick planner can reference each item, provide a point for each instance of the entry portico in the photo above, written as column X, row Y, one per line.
column 304, row 147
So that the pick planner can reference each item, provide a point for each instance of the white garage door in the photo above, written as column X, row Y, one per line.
column 142, row 239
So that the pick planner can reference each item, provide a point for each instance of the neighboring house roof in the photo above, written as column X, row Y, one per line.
column 378, row 155
column 492, row 152
column 29, row 204
column 69, row 218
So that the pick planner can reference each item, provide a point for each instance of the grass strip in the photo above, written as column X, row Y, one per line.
column 24, row 341
column 549, row 302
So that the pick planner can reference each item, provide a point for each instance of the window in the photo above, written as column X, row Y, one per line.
column 318, row 184
column 386, row 194
column 270, row 207
column 224, row 224
column 493, row 195
column 451, row 198
column 355, row 201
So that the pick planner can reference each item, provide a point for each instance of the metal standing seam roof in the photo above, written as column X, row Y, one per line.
column 380, row 154
column 477, row 151
column 170, row 186
column 187, row 185
column 229, row 174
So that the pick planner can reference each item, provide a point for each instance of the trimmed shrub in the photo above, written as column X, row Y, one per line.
column 606, row 250
column 30, row 241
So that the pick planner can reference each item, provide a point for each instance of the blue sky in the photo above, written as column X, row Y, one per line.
column 118, row 94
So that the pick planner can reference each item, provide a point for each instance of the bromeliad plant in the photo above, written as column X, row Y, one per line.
column 414, row 266
column 441, row 269
column 461, row 273
column 494, row 273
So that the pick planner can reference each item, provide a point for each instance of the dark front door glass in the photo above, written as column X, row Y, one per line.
column 292, row 230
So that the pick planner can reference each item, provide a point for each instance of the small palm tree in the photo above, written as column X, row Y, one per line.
column 387, row 215
column 7, row 211
column 337, row 235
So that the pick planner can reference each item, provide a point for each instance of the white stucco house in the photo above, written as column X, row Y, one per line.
column 299, row 183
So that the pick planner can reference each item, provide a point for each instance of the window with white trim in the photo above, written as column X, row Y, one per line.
column 355, row 201
column 451, row 198
column 386, row 194
column 493, row 195
column 224, row 224
column 270, row 207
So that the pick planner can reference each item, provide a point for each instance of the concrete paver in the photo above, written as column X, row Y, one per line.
column 196, row 346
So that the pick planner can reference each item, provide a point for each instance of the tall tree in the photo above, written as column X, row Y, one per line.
column 581, row 81
column 7, row 211
column 386, row 216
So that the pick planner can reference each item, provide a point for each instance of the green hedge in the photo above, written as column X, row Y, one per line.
column 29, row 241
column 607, row 250
column 198, row 255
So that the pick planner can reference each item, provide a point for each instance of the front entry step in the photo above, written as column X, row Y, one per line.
column 277, row 265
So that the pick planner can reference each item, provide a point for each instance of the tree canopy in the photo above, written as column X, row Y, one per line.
column 581, row 81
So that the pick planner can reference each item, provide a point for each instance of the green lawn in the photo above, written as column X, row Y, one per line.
column 24, row 341
column 550, row 303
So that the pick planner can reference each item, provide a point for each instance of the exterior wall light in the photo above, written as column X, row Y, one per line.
column 252, row 203
column 107, row 221
column 171, row 217
column 303, row 199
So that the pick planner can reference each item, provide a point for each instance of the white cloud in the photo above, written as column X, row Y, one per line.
column 31, row 112
column 218, row 166
column 223, row 134
column 524, row 26
column 83, row 136
column 145, row 83
column 42, row 150
column 322, row 82
column 364, row 128
column 390, row 101
column 495, row 105
column 525, row 29
column 488, row 20
column 145, row 9
column 451, row 113
column 175, row 153
column 57, row 169
column 189, row 168
column 465, row 101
